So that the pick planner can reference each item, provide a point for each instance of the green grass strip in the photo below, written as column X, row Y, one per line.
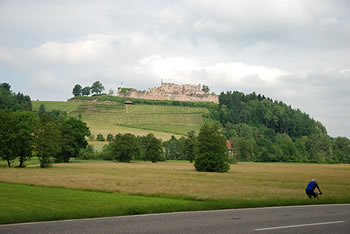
column 28, row 203
column 25, row 203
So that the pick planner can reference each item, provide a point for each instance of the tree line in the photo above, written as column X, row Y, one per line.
column 51, row 136
column 208, row 150
column 95, row 88
column 24, row 134
column 261, row 129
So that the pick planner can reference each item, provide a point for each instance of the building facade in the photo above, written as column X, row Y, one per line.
column 170, row 91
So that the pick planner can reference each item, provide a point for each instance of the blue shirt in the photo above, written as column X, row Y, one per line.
column 311, row 186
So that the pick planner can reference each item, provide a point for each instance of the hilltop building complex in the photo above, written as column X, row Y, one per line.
column 170, row 91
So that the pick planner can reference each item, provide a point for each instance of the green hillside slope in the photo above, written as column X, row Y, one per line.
column 140, row 119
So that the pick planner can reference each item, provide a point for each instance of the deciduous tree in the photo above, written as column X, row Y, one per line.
column 66, row 142
column 16, row 136
column 86, row 91
column 124, row 147
column 7, row 137
column 45, row 141
column 79, row 133
column 211, row 155
column 190, row 144
column 77, row 90
column 154, row 151
column 97, row 87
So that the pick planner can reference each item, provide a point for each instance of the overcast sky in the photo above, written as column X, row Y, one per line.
column 295, row 51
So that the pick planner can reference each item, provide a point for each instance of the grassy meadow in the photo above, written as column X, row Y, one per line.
column 104, row 118
column 245, row 181
column 101, row 188
column 82, row 189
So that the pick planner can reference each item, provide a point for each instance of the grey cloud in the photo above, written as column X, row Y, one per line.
column 303, row 43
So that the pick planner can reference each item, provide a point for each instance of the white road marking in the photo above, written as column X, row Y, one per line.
column 298, row 225
column 173, row 213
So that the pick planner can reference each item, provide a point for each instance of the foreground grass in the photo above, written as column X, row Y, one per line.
column 27, row 203
column 24, row 203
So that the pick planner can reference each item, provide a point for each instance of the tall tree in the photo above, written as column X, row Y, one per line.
column 154, row 151
column 172, row 152
column 25, row 125
column 7, row 137
column 79, row 132
column 190, row 144
column 45, row 141
column 86, row 91
column 16, row 136
column 66, row 142
column 124, row 147
column 97, row 87
column 77, row 90
column 211, row 153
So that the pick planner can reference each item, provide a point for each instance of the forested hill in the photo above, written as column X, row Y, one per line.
column 255, row 110
column 265, row 130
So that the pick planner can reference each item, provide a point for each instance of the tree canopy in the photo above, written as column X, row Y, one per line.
column 125, row 147
column 211, row 153
column 13, row 102
column 86, row 91
column 97, row 87
column 265, row 130
column 77, row 90
column 49, row 135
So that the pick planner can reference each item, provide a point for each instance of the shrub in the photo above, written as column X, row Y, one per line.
column 110, row 137
column 106, row 153
column 88, row 153
column 100, row 137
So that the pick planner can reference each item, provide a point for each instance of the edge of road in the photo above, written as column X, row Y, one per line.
column 174, row 213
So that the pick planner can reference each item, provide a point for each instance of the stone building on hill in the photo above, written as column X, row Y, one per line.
column 170, row 91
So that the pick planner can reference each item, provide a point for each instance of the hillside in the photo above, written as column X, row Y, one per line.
column 112, row 117
column 259, row 128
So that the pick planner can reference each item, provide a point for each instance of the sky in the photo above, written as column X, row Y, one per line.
column 295, row 51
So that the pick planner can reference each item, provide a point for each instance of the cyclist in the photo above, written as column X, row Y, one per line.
column 310, row 189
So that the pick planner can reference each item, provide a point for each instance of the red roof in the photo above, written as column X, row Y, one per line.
column 229, row 145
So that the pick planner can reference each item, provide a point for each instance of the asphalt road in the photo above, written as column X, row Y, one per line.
column 296, row 219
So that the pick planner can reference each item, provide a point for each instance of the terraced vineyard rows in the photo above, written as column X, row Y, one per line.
column 104, row 118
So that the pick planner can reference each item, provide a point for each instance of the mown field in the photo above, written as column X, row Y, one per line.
column 104, row 118
column 101, row 188
column 245, row 181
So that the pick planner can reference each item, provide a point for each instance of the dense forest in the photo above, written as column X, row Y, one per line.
column 12, row 101
column 261, row 129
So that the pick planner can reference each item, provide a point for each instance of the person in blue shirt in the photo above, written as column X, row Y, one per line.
column 310, row 189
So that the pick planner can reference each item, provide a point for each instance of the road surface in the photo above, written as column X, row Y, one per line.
column 294, row 219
